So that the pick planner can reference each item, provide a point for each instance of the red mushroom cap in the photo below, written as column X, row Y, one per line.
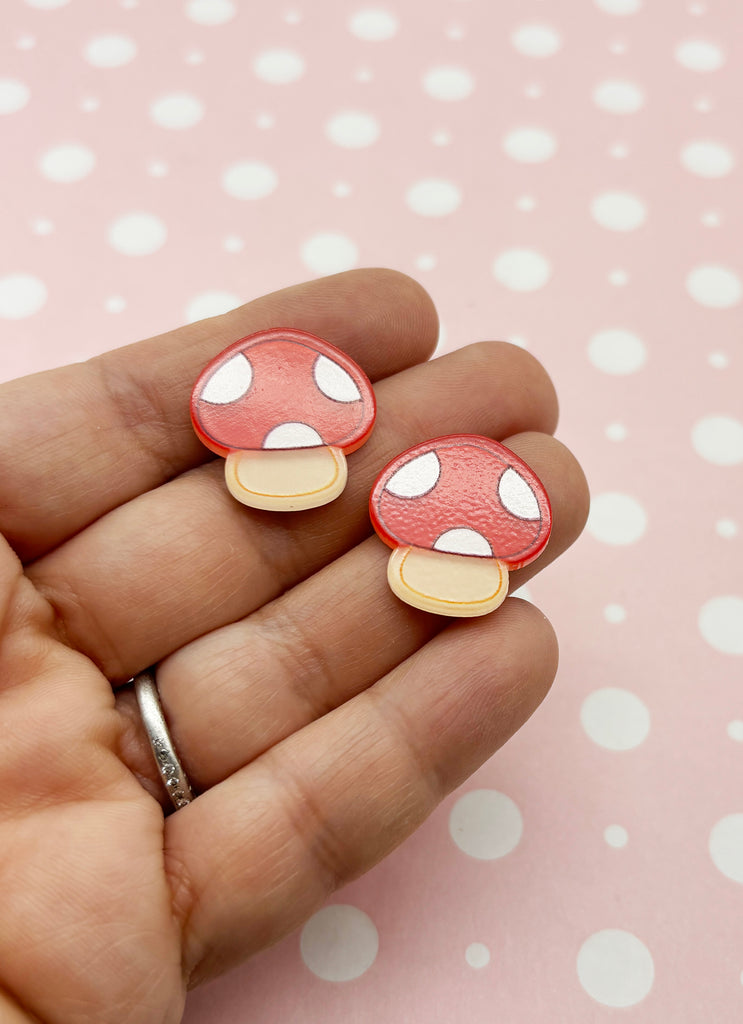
column 462, row 494
column 282, row 388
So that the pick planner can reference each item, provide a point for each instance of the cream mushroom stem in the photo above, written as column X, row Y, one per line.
column 447, row 584
column 286, row 480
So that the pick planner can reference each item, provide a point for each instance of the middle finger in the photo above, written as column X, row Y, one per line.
column 186, row 558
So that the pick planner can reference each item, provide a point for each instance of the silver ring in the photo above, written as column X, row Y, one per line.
column 169, row 766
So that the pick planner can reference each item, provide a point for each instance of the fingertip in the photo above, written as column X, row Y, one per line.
column 395, row 304
column 566, row 486
column 530, row 386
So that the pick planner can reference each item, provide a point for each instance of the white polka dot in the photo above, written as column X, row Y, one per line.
column 703, row 105
column 617, row 351
column 441, row 138
column 42, row 226
column 517, row 497
column 615, row 613
column 339, row 943
column 137, row 234
column 14, row 95
column 194, row 57
column 158, row 168
column 67, row 163
column 21, row 295
column 233, row 243
column 417, row 477
column 726, row 846
column 615, row 968
column 721, row 623
column 426, row 261
column 110, row 51
column 618, row 96
column 25, row 42
column 89, row 104
column 518, row 340
column 716, row 287
column 373, row 24
column 364, row 75
column 536, row 40
column 433, row 197
column 699, row 55
column 334, row 381
column 718, row 360
column 620, row 7
column 616, row 836
column 292, row 17
column 177, row 110
column 707, row 159
column 616, row 432
column 718, row 439
column 533, row 91
column 485, row 824
column 210, row 12
column 711, row 219
column 212, row 303
column 455, row 32
column 249, row 180
column 526, row 204
column 115, row 304
column 618, row 47
column 329, row 252
column 341, row 189
column 616, row 518
column 697, row 9
column 618, row 211
column 522, row 270
column 448, row 83
column 615, row 719
column 352, row 129
column 618, row 277
column 524, row 593
column 530, row 145
column 726, row 528
column 47, row 5
column 279, row 67
column 735, row 730
column 265, row 121
column 619, row 151
column 477, row 955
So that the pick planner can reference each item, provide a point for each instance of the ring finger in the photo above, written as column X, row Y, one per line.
column 238, row 691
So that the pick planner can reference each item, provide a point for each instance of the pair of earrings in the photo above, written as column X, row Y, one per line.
column 284, row 408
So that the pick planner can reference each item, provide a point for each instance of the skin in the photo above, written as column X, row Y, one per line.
column 313, row 757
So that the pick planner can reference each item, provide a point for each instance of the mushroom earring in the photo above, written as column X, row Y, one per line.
column 459, row 512
column 284, row 408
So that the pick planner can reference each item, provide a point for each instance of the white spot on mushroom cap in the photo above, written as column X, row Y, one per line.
column 463, row 541
column 334, row 381
column 517, row 496
column 229, row 382
column 415, row 478
column 292, row 435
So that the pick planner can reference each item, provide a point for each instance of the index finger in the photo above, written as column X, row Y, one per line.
column 78, row 441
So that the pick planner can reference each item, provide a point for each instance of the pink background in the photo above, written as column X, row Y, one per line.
column 563, row 174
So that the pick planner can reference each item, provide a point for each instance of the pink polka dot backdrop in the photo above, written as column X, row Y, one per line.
column 565, row 175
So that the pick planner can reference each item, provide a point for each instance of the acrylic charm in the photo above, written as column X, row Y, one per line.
column 459, row 512
column 284, row 408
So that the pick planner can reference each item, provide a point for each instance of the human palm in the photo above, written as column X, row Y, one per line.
column 319, row 718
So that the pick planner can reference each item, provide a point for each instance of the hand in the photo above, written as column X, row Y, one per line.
column 319, row 718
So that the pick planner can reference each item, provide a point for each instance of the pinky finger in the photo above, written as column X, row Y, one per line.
column 253, row 857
